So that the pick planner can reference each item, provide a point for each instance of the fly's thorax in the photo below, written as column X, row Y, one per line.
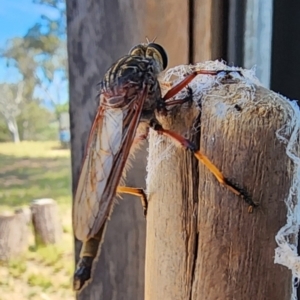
column 126, row 79
column 128, row 71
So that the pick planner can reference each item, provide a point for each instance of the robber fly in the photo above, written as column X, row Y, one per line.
column 130, row 99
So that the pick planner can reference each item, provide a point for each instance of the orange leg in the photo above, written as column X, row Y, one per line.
column 204, row 160
column 136, row 192
column 189, row 145
column 182, row 84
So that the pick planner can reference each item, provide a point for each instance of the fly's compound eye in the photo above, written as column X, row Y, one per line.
column 158, row 53
column 139, row 50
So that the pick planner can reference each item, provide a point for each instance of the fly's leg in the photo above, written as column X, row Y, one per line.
column 189, row 98
column 187, row 144
column 182, row 84
column 164, row 102
column 136, row 192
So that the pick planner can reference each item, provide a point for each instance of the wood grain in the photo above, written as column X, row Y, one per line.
column 209, row 29
column 169, row 21
column 201, row 241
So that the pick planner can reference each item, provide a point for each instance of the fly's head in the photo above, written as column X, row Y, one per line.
column 139, row 50
column 152, row 51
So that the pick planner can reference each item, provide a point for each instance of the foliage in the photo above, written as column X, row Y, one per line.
column 57, row 25
column 36, row 123
column 38, row 57
column 5, row 135
column 31, row 120
column 41, row 59
column 61, row 108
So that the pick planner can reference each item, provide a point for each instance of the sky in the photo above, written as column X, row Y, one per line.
column 16, row 17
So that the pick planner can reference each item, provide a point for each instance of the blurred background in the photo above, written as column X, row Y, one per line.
column 52, row 55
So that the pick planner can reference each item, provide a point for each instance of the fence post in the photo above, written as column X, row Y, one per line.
column 201, row 241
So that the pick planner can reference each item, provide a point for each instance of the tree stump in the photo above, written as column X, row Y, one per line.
column 201, row 241
column 13, row 235
column 46, row 222
column 24, row 212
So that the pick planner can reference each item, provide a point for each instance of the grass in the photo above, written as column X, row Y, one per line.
column 17, row 267
column 33, row 170
column 28, row 171
column 34, row 150
column 38, row 280
column 49, row 255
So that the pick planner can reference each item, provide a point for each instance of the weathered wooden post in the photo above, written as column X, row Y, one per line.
column 201, row 241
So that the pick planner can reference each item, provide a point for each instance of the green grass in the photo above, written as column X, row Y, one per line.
column 34, row 149
column 32, row 170
column 28, row 171
column 17, row 267
column 39, row 280
column 49, row 255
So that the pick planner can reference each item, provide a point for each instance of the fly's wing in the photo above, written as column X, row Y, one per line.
column 109, row 143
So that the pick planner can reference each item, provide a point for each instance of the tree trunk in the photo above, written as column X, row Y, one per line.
column 13, row 235
column 201, row 241
column 46, row 222
column 13, row 128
